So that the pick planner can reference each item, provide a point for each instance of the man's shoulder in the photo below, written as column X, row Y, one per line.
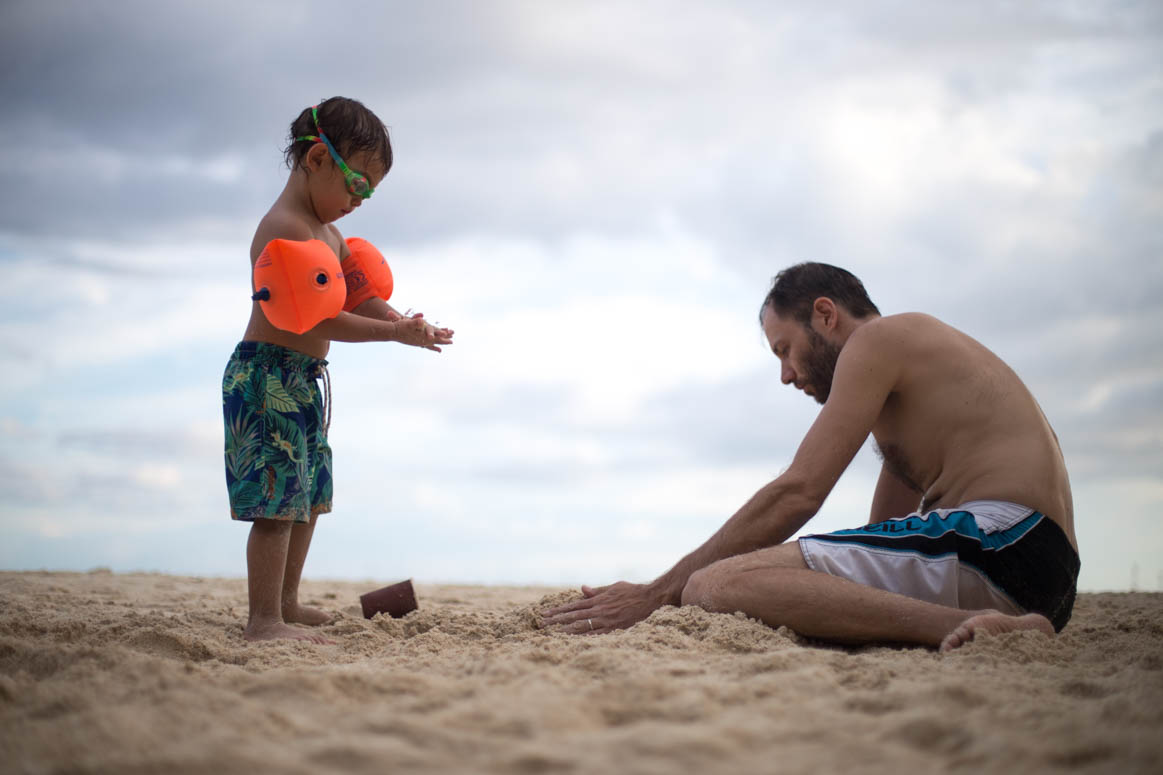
column 898, row 341
column 908, row 321
column 899, row 331
column 887, row 330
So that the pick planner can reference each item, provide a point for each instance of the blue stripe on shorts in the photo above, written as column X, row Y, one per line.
column 1031, row 561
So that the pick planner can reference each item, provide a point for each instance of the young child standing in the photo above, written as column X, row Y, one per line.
column 278, row 462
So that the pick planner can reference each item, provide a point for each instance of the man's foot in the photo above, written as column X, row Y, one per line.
column 994, row 623
column 301, row 614
column 256, row 631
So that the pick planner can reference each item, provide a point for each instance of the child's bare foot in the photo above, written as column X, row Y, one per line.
column 280, row 631
column 301, row 614
column 994, row 623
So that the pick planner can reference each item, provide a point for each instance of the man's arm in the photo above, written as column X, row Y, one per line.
column 862, row 382
column 893, row 498
column 865, row 374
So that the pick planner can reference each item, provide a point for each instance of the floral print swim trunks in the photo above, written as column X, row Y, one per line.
column 278, row 462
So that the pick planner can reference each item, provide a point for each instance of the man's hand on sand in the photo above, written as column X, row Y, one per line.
column 605, row 609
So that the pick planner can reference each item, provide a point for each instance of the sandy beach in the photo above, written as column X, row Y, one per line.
column 137, row 673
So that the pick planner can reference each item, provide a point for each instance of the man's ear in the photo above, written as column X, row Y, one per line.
column 824, row 310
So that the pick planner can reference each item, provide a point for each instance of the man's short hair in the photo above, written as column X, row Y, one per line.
column 795, row 290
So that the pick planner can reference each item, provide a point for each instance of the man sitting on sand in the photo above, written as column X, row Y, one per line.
column 990, row 547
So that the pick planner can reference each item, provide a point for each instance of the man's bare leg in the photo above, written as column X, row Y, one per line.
column 775, row 586
column 266, row 562
column 300, row 542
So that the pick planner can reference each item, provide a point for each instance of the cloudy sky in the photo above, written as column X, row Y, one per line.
column 595, row 195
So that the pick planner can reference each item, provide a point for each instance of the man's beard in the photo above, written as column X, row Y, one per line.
column 820, row 366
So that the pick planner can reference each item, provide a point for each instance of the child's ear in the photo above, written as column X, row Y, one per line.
column 315, row 157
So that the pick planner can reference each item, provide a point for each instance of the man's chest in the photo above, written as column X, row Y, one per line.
column 904, row 442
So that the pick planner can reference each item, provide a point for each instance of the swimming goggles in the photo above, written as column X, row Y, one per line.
column 356, row 182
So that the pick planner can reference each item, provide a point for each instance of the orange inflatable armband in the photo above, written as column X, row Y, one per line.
column 298, row 284
column 366, row 273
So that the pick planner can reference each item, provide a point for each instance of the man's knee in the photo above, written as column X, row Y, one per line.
column 709, row 587
column 695, row 587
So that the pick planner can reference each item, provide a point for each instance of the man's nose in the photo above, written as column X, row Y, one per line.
column 787, row 375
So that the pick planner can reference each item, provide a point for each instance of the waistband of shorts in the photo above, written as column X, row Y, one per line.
column 993, row 515
column 276, row 355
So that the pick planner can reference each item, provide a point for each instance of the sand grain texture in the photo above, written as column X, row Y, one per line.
column 136, row 673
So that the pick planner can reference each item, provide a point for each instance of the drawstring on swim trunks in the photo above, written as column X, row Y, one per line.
column 321, row 371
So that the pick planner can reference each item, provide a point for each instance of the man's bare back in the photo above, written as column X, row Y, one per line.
column 960, row 426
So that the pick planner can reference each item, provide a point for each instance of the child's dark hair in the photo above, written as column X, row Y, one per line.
column 795, row 290
column 350, row 127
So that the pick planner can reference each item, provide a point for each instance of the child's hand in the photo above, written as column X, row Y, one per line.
column 443, row 335
column 419, row 333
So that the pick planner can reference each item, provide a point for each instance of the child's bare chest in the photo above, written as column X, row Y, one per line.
column 329, row 238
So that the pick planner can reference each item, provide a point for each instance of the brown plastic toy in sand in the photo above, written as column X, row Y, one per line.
column 395, row 600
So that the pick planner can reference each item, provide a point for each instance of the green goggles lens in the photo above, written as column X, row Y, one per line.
column 357, row 184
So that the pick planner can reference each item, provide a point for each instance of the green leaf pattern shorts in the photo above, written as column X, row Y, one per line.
column 278, row 462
